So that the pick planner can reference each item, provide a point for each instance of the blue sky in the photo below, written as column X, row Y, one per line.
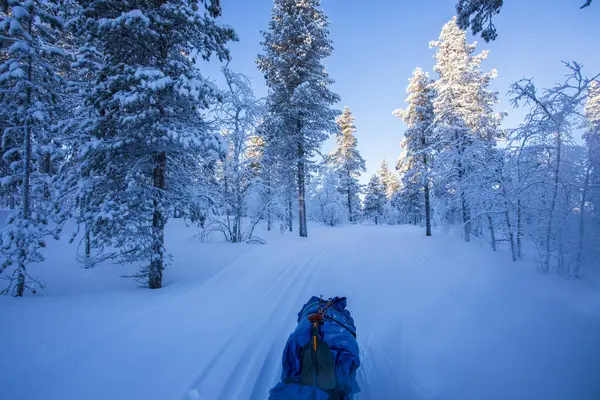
column 378, row 44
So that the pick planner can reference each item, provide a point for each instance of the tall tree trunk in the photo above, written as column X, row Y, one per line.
column 301, row 193
column 82, row 204
column 270, row 201
column 290, row 215
column 510, row 236
column 519, row 228
column 88, row 242
column 561, row 266
column 577, row 268
column 465, row 216
column 237, row 221
column 158, row 225
column 350, row 218
column 427, row 200
column 47, row 168
column 492, row 233
column 27, row 172
column 27, row 132
column 269, row 219
column 463, row 202
column 237, row 184
column 20, row 287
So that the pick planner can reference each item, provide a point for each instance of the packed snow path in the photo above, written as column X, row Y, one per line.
column 436, row 319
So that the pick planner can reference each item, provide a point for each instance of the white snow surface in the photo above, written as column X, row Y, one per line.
column 436, row 319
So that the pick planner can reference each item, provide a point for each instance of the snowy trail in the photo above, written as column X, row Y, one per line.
column 434, row 321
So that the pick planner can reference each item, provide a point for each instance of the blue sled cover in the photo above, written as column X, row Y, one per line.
column 339, row 332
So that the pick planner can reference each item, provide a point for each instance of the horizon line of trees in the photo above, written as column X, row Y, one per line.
column 540, row 188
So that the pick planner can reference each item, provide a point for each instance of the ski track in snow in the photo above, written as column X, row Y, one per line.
column 436, row 320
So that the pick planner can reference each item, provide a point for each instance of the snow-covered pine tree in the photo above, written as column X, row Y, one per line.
column 375, row 199
column 478, row 15
column 262, row 169
column 277, row 179
column 267, row 198
column 150, row 137
column 29, row 82
column 238, row 114
column 465, row 125
column 347, row 162
column 76, row 125
column 256, row 150
column 294, row 47
column 415, row 165
column 389, row 180
column 328, row 203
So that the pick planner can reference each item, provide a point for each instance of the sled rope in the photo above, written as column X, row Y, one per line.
column 342, row 325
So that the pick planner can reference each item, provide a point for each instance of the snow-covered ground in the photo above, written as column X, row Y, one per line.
column 436, row 319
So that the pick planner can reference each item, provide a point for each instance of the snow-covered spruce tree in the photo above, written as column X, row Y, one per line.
column 414, row 167
column 408, row 202
column 150, row 138
column 391, row 186
column 327, row 203
column 237, row 115
column 389, row 180
column 293, row 49
column 256, row 149
column 375, row 199
column 29, row 82
column 478, row 15
column 262, row 169
column 553, row 115
column 465, row 126
column 276, row 176
column 76, row 126
column 347, row 162
column 266, row 197
column 7, row 195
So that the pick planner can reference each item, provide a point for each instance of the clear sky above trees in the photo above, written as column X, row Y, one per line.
column 376, row 48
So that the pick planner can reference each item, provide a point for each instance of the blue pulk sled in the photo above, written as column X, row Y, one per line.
column 320, row 358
